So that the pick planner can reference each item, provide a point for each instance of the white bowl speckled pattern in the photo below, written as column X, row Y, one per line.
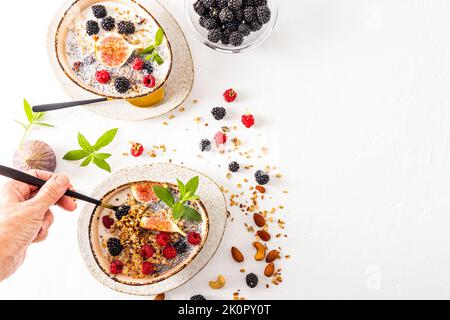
column 177, row 88
column 211, row 197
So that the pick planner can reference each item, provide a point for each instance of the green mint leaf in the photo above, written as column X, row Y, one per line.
column 87, row 161
column 164, row 195
column 84, row 144
column 148, row 50
column 105, row 139
column 22, row 124
column 178, row 211
column 191, row 214
column 192, row 185
column 44, row 124
column 182, row 188
column 75, row 155
column 37, row 116
column 159, row 37
column 102, row 156
column 157, row 58
column 102, row 164
column 28, row 110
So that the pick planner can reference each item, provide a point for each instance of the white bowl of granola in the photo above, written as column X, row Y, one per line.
column 149, row 246
column 114, row 48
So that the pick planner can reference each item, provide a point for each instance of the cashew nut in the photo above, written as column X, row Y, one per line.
column 219, row 283
column 260, row 251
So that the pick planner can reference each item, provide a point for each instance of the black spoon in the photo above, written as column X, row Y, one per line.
column 32, row 180
column 64, row 105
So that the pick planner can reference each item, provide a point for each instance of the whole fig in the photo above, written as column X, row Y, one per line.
column 34, row 154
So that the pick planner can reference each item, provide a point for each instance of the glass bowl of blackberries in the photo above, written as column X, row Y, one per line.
column 232, row 26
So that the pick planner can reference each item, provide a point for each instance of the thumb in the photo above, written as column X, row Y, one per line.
column 51, row 192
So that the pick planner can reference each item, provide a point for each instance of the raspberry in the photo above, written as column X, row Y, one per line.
column 136, row 149
column 194, row 238
column 116, row 267
column 248, row 120
column 170, row 252
column 163, row 239
column 147, row 251
column 230, row 95
column 107, row 222
column 148, row 268
column 220, row 138
column 138, row 64
column 149, row 81
column 102, row 76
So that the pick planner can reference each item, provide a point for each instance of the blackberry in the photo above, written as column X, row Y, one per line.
column 263, row 14
column 126, row 27
column 234, row 4
column 114, row 247
column 205, row 145
column 244, row 29
column 219, row 112
column 99, row 11
column 209, row 3
column 122, row 84
column 250, row 14
column 234, row 166
column 248, row 3
column 122, row 211
column 226, row 37
column 214, row 12
column 215, row 35
column 211, row 24
column 92, row 28
column 260, row 2
column 181, row 246
column 198, row 297
column 226, row 15
column 236, row 39
column 231, row 26
column 252, row 280
column 200, row 8
column 238, row 15
column 108, row 23
column 262, row 177
column 148, row 67
column 221, row 3
column 202, row 22
column 254, row 25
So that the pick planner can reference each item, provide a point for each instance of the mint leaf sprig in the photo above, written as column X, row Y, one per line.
column 150, row 53
column 90, row 152
column 179, row 208
column 34, row 118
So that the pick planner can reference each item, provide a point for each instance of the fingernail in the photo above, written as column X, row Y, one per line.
column 62, row 180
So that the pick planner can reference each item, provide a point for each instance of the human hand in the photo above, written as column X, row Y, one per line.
column 25, row 216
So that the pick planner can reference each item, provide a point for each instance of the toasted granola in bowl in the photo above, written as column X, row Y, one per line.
column 142, row 243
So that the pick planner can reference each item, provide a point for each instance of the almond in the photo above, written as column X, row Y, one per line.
column 272, row 256
column 269, row 270
column 237, row 255
column 260, row 221
column 263, row 235
column 261, row 189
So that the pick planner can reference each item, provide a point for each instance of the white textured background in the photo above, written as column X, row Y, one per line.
column 352, row 98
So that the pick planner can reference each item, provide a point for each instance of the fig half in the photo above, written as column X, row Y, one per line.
column 35, row 154
column 113, row 51
column 164, row 225
column 143, row 192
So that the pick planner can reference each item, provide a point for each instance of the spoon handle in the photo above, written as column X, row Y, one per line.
column 64, row 105
column 34, row 181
